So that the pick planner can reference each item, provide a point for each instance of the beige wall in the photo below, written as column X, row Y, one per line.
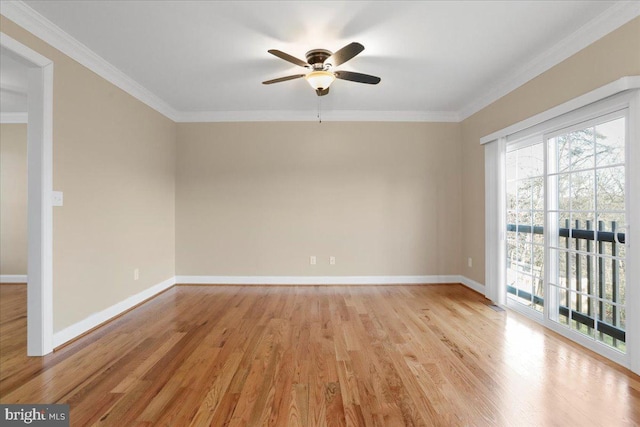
column 114, row 159
column 260, row 198
column 614, row 56
column 13, row 199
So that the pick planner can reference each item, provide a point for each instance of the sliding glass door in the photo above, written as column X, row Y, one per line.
column 525, row 224
column 587, row 224
column 566, row 216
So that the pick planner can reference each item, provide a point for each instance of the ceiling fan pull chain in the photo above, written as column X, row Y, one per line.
column 319, row 118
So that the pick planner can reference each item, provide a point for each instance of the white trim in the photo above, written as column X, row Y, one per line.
column 96, row 319
column 613, row 18
column 494, row 172
column 610, row 89
column 315, row 280
column 34, row 22
column 633, row 231
column 603, row 24
column 312, row 116
column 524, row 310
column 13, row 278
column 13, row 118
column 472, row 284
column 41, row 27
column 39, row 212
column 589, row 344
column 21, row 50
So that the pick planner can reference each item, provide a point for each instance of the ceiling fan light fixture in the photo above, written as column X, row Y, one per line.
column 320, row 79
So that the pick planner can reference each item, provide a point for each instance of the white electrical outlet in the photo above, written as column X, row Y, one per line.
column 469, row 262
column 57, row 198
column 332, row 260
column 136, row 273
column 312, row 260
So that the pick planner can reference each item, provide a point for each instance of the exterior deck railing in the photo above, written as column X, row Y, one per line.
column 583, row 239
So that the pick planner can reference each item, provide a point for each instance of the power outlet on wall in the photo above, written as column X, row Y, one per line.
column 136, row 273
column 312, row 260
column 469, row 262
column 332, row 260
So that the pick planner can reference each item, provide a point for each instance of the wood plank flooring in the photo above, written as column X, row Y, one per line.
column 433, row 355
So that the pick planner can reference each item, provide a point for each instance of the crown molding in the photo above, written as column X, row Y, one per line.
column 312, row 116
column 41, row 27
column 13, row 118
column 613, row 18
column 35, row 23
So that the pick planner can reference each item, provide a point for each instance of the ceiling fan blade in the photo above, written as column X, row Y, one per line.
column 280, row 54
column 322, row 92
column 283, row 79
column 357, row 77
column 345, row 54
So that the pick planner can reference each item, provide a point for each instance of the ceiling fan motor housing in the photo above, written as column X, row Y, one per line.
column 316, row 58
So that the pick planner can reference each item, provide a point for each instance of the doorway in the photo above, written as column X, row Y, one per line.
column 39, row 193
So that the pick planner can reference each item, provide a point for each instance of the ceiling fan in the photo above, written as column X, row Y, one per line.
column 320, row 63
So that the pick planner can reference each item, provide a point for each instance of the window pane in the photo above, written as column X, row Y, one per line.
column 564, row 192
column 524, row 194
column 525, row 219
column 609, row 313
column 538, row 224
column 537, row 193
column 560, row 147
column 582, row 191
column 564, row 224
column 530, row 161
column 588, row 207
column 611, row 188
column 564, row 272
column 511, row 165
column 525, row 208
column 583, row 276
column 582, row 149
column 579, row 307
column 524, row 255
column 571, row 270
column 612, row 281
column 610, row 142
column 512, row 193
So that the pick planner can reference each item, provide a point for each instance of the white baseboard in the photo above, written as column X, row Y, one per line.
column 109, row 313
column 13, row 278
column 472, row 284
column 314, row 280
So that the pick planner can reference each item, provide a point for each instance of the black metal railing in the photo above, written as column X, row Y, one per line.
column 582, row 240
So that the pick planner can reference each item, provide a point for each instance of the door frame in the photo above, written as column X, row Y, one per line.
column 39, row 197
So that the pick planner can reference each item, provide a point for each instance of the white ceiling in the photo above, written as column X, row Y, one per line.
column 440, row 57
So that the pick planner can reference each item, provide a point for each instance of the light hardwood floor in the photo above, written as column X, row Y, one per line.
column 434, row 355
